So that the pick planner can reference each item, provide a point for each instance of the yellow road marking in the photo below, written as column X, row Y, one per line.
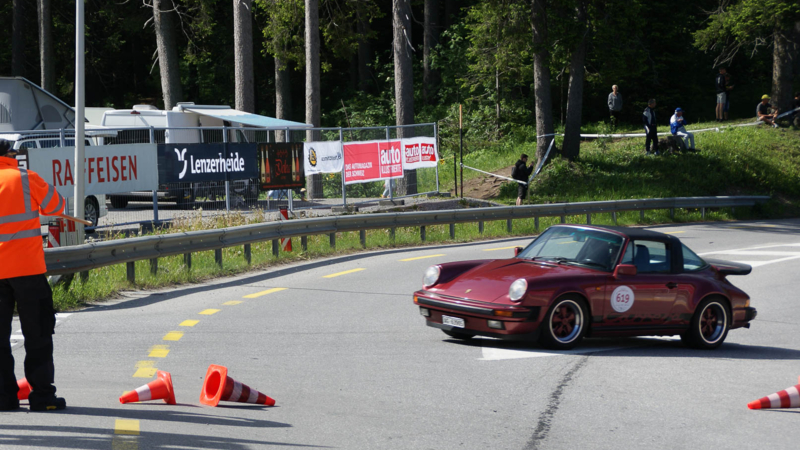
column 262, row 293
column 421, row 257
column 232, row 303
column 159, row 351
column 343, row 273
column 208, row 312
column 126, row 426
column 500, row 248
column 145, row 369
column 674, row 232
column 173, row 336
column 188, row 323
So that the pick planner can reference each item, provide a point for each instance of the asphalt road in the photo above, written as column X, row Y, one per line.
column 344, row 352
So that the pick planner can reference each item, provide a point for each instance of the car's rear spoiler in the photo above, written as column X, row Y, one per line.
column 730, row 268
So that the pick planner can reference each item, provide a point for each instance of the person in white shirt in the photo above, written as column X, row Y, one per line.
column 677, row 127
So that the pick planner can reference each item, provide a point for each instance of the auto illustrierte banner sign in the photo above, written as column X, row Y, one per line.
column 281, row 166
column 372, row 161
column 108, row 168
column 189, row 163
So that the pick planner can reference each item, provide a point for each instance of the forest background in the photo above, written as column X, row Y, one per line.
column 518, row 67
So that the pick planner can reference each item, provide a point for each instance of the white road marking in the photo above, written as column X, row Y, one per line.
column 496, row 354
column 758, row 251
column 17, row 337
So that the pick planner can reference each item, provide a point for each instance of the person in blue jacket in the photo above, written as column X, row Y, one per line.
column 677, row 127
column 650, row 127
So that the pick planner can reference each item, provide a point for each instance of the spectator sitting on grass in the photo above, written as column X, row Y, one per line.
column 677, row 126
column 763, row 113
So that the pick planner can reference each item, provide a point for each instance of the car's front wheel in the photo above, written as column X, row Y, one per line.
column 565, row 324
column 459, row 335
column 710, row 325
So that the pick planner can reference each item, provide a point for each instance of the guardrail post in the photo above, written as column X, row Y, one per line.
column 733, row 210
column 536, row 223
column 672, row 213
column 422, row 233
column 130, row 268
column 154, row 266
column 392, row 232
column 702, row 213
column 276, row 248
column 452, row 231
column 480, row 227
column 563, row 219
column 84, row 276
column 333, row 241
column 248, row 256
column 304, row 243
column 218, row 257
column 588, row 219
column 614, row 217
column 362, row 234
column 187, row 260
column 641, row 214
column 509, row 225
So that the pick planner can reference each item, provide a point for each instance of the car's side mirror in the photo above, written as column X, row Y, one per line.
column 517, row 251
column 624, row 269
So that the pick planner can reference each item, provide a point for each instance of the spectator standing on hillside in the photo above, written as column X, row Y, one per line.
column 795, row 115
column 721, row 94
column 521, row 172
column 650, row 127
column 763, row 113
column 677, row 126
column 614, row 105
column 728, row 89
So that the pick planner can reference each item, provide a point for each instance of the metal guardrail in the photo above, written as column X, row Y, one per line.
column 85, row 257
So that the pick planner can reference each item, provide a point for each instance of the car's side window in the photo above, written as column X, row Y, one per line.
column 648, row 256
column 691, row 261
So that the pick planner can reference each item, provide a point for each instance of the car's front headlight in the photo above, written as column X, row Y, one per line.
column 517, row 290
column 431, row 276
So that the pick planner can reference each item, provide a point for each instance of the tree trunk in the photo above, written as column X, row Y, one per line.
column 572, row 138
column 167, row 53
column 541, row 79
column 403, row 83
column 430, row 77
column 313, row 114
column 46, row 58
column 18, row 39
column 781, row 70
column 364, row 53
column 283, row 94
column 243, row 55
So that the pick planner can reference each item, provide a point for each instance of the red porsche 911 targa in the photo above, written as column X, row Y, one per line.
column 578, row 281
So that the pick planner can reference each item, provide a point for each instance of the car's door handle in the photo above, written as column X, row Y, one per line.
column 672, row 285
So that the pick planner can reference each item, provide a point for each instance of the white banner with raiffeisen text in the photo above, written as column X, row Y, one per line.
column 323, row 157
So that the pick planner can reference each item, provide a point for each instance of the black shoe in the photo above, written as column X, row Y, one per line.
column 10, row 406
column 53, row 404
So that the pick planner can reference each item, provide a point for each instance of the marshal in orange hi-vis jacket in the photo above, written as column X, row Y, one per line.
column 23, row 196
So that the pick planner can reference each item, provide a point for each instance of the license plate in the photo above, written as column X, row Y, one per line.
column 453, row 321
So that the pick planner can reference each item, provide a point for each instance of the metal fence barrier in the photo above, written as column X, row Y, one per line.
column 85, row 257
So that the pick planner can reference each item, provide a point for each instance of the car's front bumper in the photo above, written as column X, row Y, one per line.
column 480, row 318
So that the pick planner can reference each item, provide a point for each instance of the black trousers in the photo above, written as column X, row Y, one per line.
column 34, row 301
column 652, row 136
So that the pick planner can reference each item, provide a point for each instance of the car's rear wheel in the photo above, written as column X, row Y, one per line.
column 710, row 324
column 119, row 202
column 459, row 335
column 565, row 324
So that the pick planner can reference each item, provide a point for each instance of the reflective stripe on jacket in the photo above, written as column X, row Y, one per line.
column 23, row 196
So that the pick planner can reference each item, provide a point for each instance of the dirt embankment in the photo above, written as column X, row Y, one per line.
column 485, row 186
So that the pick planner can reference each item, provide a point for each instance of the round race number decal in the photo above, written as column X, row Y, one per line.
column 622, row 299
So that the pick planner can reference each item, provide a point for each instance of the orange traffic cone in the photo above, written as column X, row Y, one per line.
column 154, row 390
column 24, row 389
column 787, row 398
column 218, row 387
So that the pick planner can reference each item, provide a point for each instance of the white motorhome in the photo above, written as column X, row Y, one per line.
column 188, row 123
column 31, row 118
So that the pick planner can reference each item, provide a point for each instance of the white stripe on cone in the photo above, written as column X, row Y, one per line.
column 794, row 397
column 237, row 391
column 144, row 393
column 253, row 396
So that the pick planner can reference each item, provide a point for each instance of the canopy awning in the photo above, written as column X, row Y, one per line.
column 234, row 115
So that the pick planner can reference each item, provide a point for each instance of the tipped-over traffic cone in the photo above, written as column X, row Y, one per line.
column 154, row 390
column 24, row 389
column 787, row 398
column 218, row 387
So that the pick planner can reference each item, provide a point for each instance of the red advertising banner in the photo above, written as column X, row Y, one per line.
column 372, row 161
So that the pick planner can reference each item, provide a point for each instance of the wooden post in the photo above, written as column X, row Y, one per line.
column 131, row 269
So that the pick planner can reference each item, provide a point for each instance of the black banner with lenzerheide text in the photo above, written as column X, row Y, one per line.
column 189, row 163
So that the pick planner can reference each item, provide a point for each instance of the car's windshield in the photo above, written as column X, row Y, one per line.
column 571, row 245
